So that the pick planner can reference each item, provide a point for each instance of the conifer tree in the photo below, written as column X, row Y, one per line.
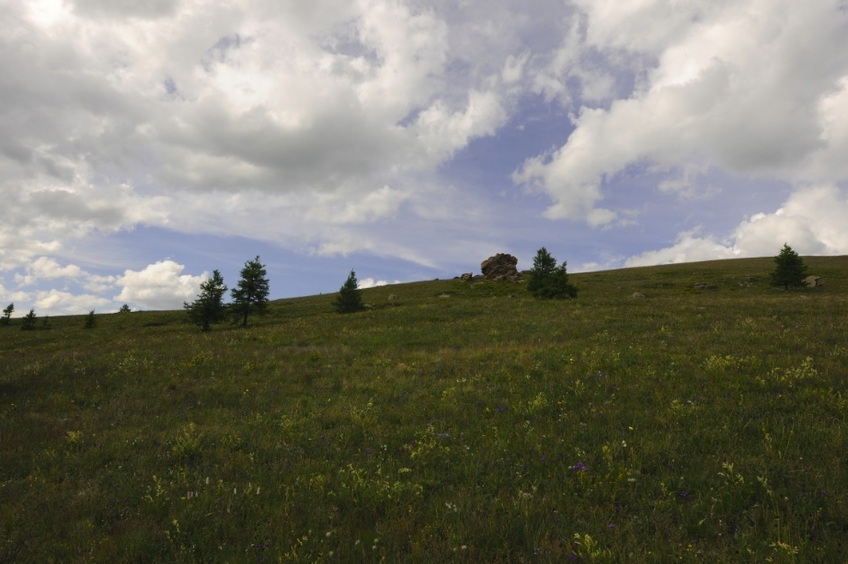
column 209, row 306
column 7, row 314
column 789, row 270
column 28, row 321
column 251, row 293
column 349, row 299
column 549, row 280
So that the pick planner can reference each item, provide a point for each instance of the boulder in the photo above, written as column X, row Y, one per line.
column 637, row 295
column 812, row 281
column 500, row 267
column 467, row 277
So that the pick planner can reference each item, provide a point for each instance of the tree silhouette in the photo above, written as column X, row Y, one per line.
column 349, row 299
column 209, row 306
column 789, row 270
column 251, row 293
column 549, row 280
column 7, row 314
column 28, row 321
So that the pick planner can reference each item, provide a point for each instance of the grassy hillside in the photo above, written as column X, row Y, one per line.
column 460, row 422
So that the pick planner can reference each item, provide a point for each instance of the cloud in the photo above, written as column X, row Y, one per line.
column 442, row 132
column 753, row 88
column 120, row 113
column 372, row 283
column 158, row 286
column 57, row 302
column 47, row 268
column 341, row 209
column 689, row 247
column 80, row 290
column 811, row 221
column 120, row 9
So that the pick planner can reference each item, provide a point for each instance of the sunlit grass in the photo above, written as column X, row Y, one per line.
column 459, row 422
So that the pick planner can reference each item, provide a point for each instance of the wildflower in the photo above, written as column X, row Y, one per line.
column 579, row 467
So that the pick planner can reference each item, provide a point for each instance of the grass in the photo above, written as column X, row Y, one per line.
column 460, row 422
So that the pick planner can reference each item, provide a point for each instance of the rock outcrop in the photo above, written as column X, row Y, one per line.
column 812, row 281
column 500, row 267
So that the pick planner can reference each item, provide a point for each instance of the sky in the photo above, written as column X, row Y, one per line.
column 145, row 143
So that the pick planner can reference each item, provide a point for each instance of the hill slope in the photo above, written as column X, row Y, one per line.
column 457, row 422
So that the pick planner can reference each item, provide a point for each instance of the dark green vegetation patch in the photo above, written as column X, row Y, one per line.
column 704, row 419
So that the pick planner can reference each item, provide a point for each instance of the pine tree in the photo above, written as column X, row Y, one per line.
column 789, row 270
column 90, row 320
column 549, row 280
column 349, row 299
column 251, row 293
column 209, row 306
column 7, row 314
column 28, row 321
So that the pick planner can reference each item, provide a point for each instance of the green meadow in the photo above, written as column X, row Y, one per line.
column 459, row 422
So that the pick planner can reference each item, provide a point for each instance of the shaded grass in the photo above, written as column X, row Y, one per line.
column 459, row 422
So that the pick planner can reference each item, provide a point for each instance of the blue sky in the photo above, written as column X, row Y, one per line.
column 144, row 144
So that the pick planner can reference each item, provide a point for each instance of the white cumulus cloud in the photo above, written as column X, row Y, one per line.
column 811, row 221
column 751, row 87
column 160, row 285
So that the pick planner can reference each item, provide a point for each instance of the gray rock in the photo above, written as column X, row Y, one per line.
column 500, row 267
